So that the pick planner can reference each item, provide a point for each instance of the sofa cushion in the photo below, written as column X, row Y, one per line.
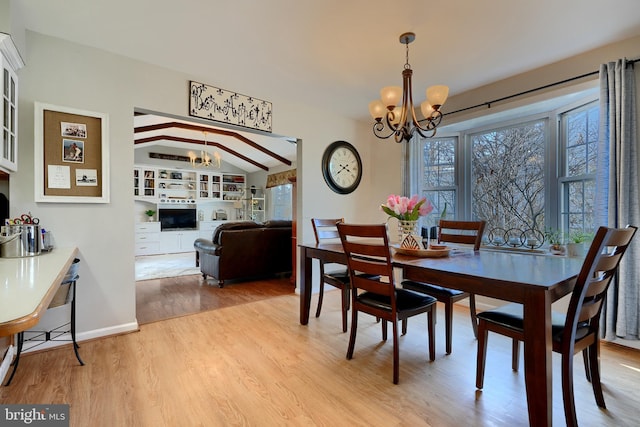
column 277, row 223
column 233, row 225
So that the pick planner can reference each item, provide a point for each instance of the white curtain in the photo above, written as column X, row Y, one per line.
column 617, row 198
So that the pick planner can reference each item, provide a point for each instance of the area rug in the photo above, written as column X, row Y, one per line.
column 167, row 265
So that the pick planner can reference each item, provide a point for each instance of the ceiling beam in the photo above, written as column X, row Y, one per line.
column 216, row 131
column 196, row 141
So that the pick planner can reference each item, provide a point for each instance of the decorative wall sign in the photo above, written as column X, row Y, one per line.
column 71, row 155
column 212, row 103
column 172, row 157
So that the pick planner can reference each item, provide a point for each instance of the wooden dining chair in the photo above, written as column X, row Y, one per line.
column 373, row 290
column 575, row 331
column 459, row 232
column 323, row 230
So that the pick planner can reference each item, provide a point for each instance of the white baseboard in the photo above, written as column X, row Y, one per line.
column 112, row 330
column 6, row 362
column 88, row 335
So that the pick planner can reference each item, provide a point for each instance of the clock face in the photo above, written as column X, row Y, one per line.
column 342, row 167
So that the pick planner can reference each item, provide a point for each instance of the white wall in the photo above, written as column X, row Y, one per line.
column 66, row 74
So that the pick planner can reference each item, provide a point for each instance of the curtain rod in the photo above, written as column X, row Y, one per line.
column 504, row 98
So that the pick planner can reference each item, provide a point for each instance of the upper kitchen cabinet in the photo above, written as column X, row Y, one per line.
column 10, row 63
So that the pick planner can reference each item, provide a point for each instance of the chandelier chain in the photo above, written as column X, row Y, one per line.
column 407, row 66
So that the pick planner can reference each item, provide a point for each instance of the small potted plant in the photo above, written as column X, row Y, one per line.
column 577, row 240
column 149, row 213
column 556, row 241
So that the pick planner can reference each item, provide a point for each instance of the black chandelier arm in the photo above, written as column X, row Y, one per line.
column 378, row 129
column 434, row 119
column 425, row 133
column 405, row 133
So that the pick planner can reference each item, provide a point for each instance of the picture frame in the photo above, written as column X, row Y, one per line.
column 71, row 155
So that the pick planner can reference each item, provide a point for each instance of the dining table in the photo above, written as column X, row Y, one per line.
column 533, row 279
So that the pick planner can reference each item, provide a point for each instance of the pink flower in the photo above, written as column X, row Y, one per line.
column 426, row 208
column 405, row 208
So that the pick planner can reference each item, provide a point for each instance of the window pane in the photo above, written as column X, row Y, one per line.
column 576, row 129
column 589, row 205
column 576, row 157
column 438, row 199
column 439, row 162
column 507, row 170
column 439, row 176
column 581, row 129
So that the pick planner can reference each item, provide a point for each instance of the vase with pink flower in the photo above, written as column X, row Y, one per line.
column 408, row 210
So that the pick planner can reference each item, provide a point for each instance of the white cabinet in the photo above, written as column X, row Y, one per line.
column 233, row 186
column 209, row 186
column 10, row 62
column 184, row 186
column 176, row 185
column 147, row 238
column 177, row 241
column 144, row 182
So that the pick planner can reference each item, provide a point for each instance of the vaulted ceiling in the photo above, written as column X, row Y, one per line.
column 251, row 152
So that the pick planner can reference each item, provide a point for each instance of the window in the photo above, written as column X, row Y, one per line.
column 507, row 176
column 439, row 181
column 529, row 171
column 579, row 129
column 281, row 199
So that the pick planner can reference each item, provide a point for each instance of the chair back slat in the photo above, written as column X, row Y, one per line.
column 464, row 232
column 599, row 267
column 368, row 253
column 373, row 285
column 325, row 228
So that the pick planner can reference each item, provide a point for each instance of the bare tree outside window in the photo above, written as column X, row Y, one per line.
column 439, row 175
column 579, row 134
column 509, row 180
column 507, row 170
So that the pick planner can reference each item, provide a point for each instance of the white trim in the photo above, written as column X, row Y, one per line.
column 6, row 362
column 89, row 335
column 9, row 50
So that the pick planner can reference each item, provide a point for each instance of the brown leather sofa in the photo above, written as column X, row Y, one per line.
column 245, row 250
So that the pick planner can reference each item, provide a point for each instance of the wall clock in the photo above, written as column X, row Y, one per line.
column 342, row 167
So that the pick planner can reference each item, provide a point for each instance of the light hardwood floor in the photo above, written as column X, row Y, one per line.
column 253, row 364
column 161, row 299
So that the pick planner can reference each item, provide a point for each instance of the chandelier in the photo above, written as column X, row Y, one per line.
column 205, row 159
column 400, row 120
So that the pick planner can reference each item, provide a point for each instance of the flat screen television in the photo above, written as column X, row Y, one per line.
column 177, row 219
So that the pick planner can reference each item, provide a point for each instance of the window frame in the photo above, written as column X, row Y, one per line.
column 555, row 155
column 563, row 178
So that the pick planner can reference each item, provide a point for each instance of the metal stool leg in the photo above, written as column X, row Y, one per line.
column 15, row 362
column 73, row 324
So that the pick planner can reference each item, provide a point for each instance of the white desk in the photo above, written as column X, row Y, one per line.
column 27, row 286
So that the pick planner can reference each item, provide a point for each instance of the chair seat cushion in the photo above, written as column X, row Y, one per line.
column 340, row 276
column 405, row 300
column 428, row 288
column 512, row 315
column 343, row 278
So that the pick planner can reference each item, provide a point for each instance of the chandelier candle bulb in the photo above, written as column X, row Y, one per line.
column 437, row 95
